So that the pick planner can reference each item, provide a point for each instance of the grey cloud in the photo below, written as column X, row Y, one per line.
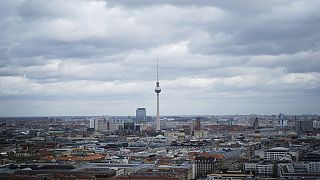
column 301, row 62
column 35, row 9
column 288, row 28
column 220, row 56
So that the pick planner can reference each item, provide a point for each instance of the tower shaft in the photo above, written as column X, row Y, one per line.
column 157, row 90
column 158, row 114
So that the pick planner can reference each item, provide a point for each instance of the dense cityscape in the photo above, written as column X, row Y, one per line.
column 187, row 147
column 159, row 90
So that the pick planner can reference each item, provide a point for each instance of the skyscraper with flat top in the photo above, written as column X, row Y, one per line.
column 141, row 114
column 157, row 90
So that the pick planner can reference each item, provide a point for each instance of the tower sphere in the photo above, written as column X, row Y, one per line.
column 157, row 89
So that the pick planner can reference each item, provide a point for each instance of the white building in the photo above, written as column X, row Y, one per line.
column 313, row 167
column 105, row 123
column 259, row 168
column 201, row 134
column 280, row 122
column 265, row 123
column 277, row 153
column 316, row 124
column 298, row 171
column 92, row 122
column 174, row 135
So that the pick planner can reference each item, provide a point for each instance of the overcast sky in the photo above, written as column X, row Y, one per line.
column 80, row 57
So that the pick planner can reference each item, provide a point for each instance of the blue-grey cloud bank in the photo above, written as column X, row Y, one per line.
column 87, row 57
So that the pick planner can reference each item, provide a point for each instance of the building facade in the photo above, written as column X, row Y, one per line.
column 277, row 153
column 205, row 165
column 141, row 114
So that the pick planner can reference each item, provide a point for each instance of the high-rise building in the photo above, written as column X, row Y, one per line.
column 303, row 126
column 141, row 114
column 256, row 123
column 157, row 90
column 197, row 125
column 92, row 123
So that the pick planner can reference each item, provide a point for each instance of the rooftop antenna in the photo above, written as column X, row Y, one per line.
column 157, row 70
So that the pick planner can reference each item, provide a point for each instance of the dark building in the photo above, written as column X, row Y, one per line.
column 197, row 125
column 256, row 124
column 304, row 126
column 309, row 157
column 141, row 114
column 169, row 172
column 187, row 129
column 85, row 174
column 205, row 165
column 149, row 177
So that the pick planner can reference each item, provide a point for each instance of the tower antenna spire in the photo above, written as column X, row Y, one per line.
column 157, row 70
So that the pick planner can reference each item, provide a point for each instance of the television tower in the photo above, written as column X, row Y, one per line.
column 157, row 90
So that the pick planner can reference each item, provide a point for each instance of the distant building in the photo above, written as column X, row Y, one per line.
column 310, row 157
column 223, row 122
column 303, row 126
column 263, row 123
column 230, row 175
column 256, row 123
column 297, row 171
column 277, row 153
column 92, row 123
column 267, row 132
column 316, row 124
column 175, row 135
column 313, row 167
column 101, row 123
column 259, row 168
column 231, row 121
column 141, row 114
column 127, row 169
column 62, row 172
column 201, row 134
column 210, row 162
column 197, row 125
column 169, row 172
column 205, row 165
column 281, row 121
column 139, row 127
column 105, row 123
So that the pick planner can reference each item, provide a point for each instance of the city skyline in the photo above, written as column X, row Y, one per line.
column 98, row 57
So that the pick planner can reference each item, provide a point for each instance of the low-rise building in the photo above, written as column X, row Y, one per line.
column 296, row 171
column 277, row 153
column 265, row 169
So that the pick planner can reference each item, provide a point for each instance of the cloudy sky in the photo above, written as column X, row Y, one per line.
column 81, row 57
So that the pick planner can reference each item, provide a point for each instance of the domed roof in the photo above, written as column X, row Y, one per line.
column 159, row 136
